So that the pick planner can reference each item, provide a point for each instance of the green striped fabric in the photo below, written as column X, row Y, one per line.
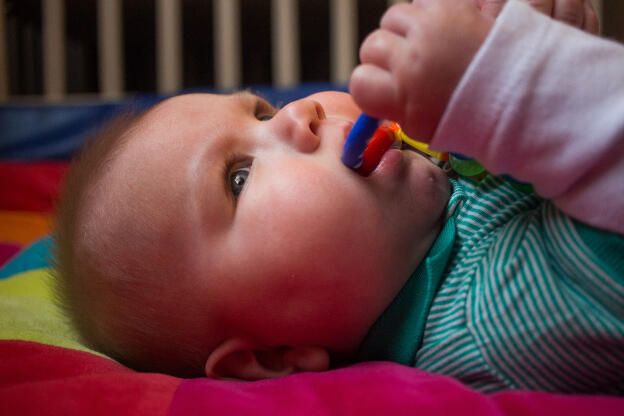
column 526, row 302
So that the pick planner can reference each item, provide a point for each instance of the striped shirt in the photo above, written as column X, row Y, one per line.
column 525, row 302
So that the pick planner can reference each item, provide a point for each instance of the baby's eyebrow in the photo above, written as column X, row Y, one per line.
column 250, row 98
column 246, row 95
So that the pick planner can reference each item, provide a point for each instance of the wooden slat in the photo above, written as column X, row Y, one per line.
column 343, row 39
column 227, row 27
column 4, row 63
column 110, row 48
column 53, row 21
column 168, row 46
column 285, row 43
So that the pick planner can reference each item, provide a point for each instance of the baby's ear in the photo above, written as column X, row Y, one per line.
column 241, row 359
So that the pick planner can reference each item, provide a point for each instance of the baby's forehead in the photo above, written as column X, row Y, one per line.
column 198, row 117
column 165, row 146
column 175, row 113
column 200, row 101
column 184, row 131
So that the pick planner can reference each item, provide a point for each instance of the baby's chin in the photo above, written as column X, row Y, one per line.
column 426, row 179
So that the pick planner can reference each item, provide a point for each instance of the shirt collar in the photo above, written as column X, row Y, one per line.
column 398, row 332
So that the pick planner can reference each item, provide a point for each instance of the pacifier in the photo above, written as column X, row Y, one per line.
column 370, row 138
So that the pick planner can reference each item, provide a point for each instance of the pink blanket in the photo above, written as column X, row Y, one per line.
column 39, row 379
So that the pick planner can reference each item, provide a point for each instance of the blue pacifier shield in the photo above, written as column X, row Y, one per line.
column 357, row 140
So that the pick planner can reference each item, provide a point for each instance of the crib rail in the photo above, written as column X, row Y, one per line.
column 110, row 36
column 168, row 43
column 226, row 26
column 4, row 66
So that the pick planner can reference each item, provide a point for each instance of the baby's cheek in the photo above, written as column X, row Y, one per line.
column 345, row 222
column 319, row 211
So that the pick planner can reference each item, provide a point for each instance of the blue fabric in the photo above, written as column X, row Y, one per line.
column 36, row 132
column 56, row 131
column 35, row 256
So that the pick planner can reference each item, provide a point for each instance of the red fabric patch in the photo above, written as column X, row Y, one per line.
column 374, row 389
column 40, row 379
column 30, row 186
column 7, row 251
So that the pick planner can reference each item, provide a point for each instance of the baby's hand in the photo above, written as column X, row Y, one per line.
column 578, row 13
column 413, row 62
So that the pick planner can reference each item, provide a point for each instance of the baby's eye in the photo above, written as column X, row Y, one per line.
column 237, row 180
column 263, row 110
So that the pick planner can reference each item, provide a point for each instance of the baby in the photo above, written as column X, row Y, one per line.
column 216, row 235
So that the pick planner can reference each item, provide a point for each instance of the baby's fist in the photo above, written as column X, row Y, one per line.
column 413, row 62
column 578, row 13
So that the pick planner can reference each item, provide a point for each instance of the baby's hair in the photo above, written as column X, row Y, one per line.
column 106, row 299
column 85, row 170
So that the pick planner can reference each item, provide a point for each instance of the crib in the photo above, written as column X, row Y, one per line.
column 223, row 24
column 45, row 116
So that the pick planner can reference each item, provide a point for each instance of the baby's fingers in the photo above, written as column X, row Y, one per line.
column 578, row 13
column 400, row 18
column 544, row 6
column 381, row 48
column 591, row 23
column 491, row 8
column 569, row 11
column 375, row 91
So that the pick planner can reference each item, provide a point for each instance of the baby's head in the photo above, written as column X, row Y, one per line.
column 217, row 235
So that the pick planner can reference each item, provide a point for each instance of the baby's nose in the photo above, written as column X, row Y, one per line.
column 298, row 123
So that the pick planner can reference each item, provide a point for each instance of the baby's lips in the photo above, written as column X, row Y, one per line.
column 381, row 141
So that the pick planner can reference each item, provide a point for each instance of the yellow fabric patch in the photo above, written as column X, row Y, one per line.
column 28, row 312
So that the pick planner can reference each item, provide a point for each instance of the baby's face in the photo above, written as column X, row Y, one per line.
column 276, row 238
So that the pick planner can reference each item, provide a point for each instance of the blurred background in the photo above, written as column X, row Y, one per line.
column 195, row 48
column 63, row 49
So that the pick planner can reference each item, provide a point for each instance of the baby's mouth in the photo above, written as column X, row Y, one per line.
column 385, row 139
column 367, row 142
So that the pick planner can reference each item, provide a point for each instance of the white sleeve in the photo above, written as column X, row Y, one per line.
column 544, row 102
